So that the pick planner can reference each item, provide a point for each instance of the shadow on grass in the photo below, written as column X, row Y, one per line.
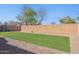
column 9, row 49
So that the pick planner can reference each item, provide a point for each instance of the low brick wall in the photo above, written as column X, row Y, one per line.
column 10, row 28
column 59, row 29
column 13, row 28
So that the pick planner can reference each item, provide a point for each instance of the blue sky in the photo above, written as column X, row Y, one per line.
column 9, row 12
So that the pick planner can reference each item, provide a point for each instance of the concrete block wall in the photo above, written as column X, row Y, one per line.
column 59, row 29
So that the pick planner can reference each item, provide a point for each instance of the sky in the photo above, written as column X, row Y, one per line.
column 54, row 12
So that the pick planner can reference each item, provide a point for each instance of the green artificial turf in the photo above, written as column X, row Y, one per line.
column 51, row 41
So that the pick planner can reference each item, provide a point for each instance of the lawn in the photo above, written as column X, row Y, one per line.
column 51, row 41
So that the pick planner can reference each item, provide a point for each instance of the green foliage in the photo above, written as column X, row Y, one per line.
column 28, row 16
column 67, row 20
column 77, row 18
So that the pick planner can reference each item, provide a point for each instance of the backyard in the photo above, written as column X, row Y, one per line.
column 50, row 41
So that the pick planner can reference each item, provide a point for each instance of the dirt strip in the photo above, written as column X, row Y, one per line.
column 74, row 44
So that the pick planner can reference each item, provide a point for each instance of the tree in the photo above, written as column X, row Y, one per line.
column 41, row 15
column 77, row 18
column 28, row 16
column 67, row 20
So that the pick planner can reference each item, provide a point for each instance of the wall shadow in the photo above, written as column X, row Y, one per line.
column 9, row 49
